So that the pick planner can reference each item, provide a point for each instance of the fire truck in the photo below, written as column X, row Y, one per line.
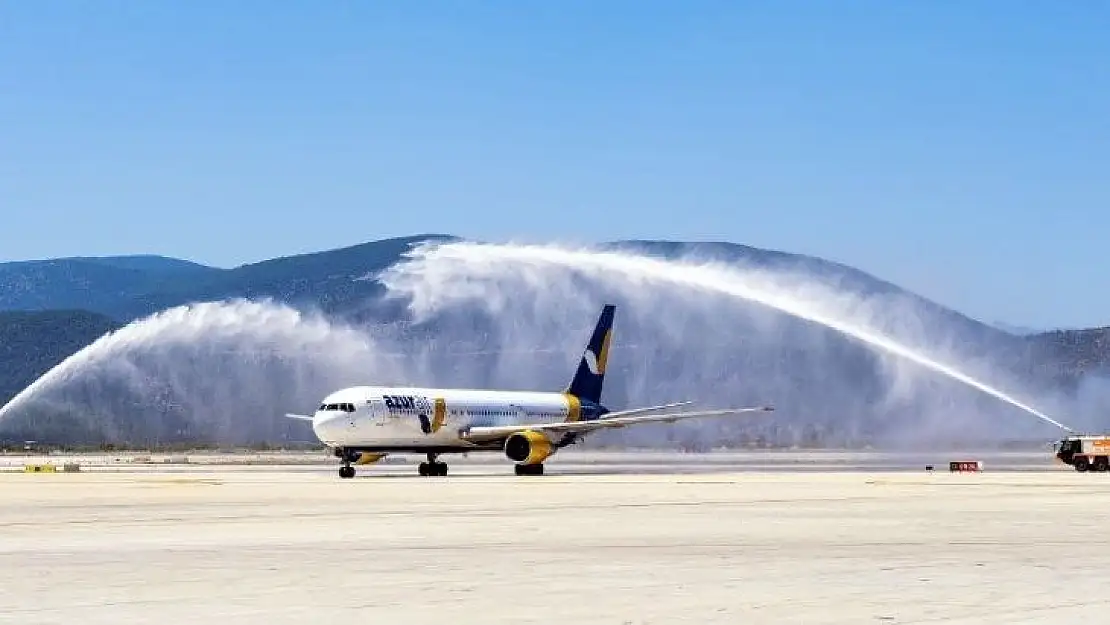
column 1085, row 452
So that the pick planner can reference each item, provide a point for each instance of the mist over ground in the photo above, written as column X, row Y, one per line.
column 517, row 317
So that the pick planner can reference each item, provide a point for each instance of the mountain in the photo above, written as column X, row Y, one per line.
column 224, row 388
column 150, row 264
column 1066, row 356
column 1016, row 330
column 125, row 288
column 111, row 286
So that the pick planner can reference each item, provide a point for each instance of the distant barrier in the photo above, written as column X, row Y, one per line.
column 69, row 467
column 965, row 466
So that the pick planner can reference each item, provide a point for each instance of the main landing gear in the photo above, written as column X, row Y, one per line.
column 431, row 468
column 528, row 469
column 346, row 471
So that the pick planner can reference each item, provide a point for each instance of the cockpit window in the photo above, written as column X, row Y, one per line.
column 345, row 407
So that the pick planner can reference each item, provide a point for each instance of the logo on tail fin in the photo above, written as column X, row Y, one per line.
column 591, row 362
column 594, row 362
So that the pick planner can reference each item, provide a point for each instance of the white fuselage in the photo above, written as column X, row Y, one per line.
column 374, row 417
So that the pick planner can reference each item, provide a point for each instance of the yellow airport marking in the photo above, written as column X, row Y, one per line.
column 40, row 468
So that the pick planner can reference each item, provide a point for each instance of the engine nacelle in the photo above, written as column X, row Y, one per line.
column 366, row 457
column 357, row 457
column 528, row 447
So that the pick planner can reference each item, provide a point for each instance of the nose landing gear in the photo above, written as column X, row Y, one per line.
column 346, row 471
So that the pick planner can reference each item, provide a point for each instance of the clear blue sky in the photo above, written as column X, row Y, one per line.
column 960, row 149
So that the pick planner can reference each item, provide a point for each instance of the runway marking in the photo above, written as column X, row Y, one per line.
column 1072, row 486
column 207, row 481
column 447, row 512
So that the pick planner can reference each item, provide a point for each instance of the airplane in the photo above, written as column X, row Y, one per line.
column 363, row 424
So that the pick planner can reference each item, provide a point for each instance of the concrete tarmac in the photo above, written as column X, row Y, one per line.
column 587, row 543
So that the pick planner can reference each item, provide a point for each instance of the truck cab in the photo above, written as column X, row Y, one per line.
column 1084, row 453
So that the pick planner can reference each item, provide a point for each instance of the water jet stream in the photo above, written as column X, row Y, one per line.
column 231, row 368
column 176, row 337
column 436, row 273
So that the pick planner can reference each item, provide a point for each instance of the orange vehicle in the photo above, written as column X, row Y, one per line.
column 1085, row 452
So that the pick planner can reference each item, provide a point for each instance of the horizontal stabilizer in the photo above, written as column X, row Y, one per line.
column 632, row 411
column 493, row 432
column 299, row 417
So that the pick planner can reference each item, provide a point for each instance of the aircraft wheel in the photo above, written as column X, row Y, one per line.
column 433, row 469
column 528, row 469
column 346, row 472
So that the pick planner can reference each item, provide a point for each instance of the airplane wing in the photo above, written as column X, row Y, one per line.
column 299, row 417
column 608, row 421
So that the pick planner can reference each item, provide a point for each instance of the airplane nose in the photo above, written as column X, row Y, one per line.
column 327, row 426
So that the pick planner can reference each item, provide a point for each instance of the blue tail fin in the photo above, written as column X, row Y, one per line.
column 587, row 381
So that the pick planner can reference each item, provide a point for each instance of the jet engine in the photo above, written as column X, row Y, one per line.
column 528, row 447
column 357, row 457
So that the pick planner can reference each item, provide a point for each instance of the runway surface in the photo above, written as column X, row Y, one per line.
column 590, row 542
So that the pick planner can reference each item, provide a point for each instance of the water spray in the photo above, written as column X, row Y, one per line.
column 179, row 347
column 435, row 274
column 234, row 367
